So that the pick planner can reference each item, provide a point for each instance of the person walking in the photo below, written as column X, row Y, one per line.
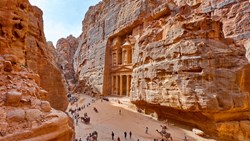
column 76, row 121
column 146, row 130
column 118, row 139
column 120, row 111
column 125, row 135
column 88, row 138
column 112, row 135
column 130, row 134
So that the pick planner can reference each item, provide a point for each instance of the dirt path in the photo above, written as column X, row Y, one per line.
column 108, row 119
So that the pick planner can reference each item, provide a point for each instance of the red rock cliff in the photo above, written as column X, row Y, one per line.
column 25, row 114
column 65, row 50
column 188, row 59
column 21, row 34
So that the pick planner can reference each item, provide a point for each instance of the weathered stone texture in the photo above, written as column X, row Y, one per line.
column 21, row 35
column 65, row 50
column 23, row 115
column 189, row 59
column 102, row 21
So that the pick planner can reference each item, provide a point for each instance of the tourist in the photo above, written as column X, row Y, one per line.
column 112, row 134
column 130, row 134
column 118, row 139
column 120, row 111
column 88, row 138
column 80, row 139
column 185, row 137
column 125, row 134
column 76, row 121
column 146, row 130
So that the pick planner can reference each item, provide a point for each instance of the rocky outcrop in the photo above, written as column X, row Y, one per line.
column 23, row 113
column 65, row 50
column 189, row 59
column 21, row 35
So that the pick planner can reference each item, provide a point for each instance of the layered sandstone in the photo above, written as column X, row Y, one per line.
column 65, row 50
column 189, row 59
column 21, row 34
column 23, row 113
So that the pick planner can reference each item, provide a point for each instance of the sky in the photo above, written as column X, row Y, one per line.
column 63, row 17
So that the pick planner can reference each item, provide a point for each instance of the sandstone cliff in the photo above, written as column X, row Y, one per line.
column 65, row 50
column 21, row 34
column 23, row 115
column 29, row 78
column 189, row 59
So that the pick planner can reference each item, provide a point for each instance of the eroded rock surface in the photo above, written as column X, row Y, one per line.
column 29, row 78
column 65, row 50
column 22, row 36
column 189, row 59
column 23, row 113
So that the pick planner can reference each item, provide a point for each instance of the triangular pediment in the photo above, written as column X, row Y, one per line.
column 122, row 69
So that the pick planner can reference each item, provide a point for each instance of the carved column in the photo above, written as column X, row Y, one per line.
column 122, row 56
column 120, row 85
column 117, row 56
column 117, row 85
column 128, row 85
column 129, row 56
column 126, row 56
column 112, row 92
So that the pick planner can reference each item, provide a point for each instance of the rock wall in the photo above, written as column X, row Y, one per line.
column 65, row 50
column 21, row 34
column 23, row 113
column 29, row 78
column 189, row 59
column 102, row 21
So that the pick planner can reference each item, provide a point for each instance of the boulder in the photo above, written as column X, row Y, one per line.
column 198, row 132
column 45, row 106
column 33, row 115
column 13, row 97
column 16, row 115
column 7, row 66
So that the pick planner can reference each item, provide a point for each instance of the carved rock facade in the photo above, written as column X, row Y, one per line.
column 188, row 59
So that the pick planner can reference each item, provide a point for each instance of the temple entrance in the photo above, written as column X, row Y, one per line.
column 118, row 66
column 121, row 84
column 121, row 66
column 124, row 84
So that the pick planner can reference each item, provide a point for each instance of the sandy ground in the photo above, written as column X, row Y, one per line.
column 108, row 119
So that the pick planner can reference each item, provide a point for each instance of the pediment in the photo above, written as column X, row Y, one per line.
column 122, row 69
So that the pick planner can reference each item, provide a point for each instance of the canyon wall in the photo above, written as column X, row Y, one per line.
column 65, row 50
column 21, row 34
column 102, row 21
column 24, row 115
column 189, row 59
column 30, row 83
